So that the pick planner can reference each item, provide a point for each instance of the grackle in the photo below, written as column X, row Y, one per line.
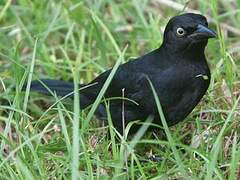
column 177, row 69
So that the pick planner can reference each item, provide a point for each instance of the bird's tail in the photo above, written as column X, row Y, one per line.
column 61, row 88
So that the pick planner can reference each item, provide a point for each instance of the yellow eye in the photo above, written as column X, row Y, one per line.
column 180, row 32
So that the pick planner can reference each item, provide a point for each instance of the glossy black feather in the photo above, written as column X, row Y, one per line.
column 177, row 69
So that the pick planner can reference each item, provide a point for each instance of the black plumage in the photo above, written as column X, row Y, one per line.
column 177, row 69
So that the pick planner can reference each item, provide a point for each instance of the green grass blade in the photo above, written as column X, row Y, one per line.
column 217, row 143
column 235, row 159
column 25, row 102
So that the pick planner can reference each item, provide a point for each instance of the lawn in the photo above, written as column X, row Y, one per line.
column 44, row 137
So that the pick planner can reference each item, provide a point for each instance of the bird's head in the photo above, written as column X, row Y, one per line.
column 187, row 31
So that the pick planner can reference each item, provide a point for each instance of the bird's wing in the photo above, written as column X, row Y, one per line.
column 170, row 85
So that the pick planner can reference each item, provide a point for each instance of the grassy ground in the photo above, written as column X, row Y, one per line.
column 76, row 40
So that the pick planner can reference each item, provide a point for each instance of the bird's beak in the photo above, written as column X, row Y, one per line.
column 203, row 32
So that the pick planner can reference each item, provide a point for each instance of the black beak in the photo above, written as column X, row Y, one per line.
column 203, row 32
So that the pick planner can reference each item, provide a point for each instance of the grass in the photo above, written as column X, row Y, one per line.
column 75, row 40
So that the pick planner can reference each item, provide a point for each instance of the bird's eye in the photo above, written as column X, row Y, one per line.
column 180, row 32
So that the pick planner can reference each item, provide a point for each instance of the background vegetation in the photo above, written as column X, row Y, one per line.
column 78, row 39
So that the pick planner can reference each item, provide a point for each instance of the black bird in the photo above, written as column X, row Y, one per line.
column 177, row 69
